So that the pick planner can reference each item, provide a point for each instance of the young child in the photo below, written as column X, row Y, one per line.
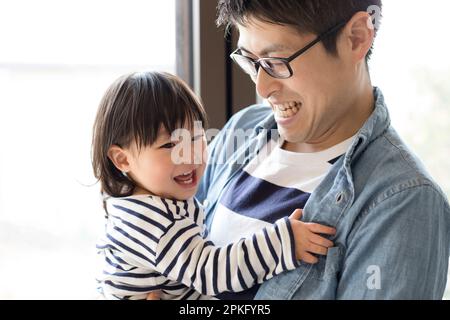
column 155, row 237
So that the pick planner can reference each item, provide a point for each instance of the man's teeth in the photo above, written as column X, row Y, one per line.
column 287, row 110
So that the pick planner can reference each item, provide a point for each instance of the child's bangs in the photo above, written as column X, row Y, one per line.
column 165, row 102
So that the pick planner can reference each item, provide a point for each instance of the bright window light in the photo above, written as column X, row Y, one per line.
column 56, row 60
column 410, row 64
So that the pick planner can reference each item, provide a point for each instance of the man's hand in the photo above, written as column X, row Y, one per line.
column 307, row 239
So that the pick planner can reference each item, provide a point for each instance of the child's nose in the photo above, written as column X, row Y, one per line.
column 197, row 154
column 192, row 154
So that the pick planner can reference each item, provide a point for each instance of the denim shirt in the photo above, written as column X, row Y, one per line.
column 392, row 220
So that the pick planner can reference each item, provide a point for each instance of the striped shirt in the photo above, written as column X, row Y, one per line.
column 151, row 243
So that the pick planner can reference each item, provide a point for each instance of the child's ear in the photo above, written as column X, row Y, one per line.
column 120, row 158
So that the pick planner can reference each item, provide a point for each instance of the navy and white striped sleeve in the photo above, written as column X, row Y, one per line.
column 135, row 229
column 184, row 256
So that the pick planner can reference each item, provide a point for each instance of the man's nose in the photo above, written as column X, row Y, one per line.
column 265, row 84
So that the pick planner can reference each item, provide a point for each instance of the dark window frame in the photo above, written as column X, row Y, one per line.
column 203, row 61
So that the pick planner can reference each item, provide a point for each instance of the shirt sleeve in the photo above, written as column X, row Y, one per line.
column 183, row 255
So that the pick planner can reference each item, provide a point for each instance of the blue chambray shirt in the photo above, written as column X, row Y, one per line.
column 392, row 220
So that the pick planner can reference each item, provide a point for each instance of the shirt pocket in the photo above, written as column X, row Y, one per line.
column 328, row 266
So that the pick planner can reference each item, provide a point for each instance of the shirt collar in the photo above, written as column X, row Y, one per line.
column 377, row 124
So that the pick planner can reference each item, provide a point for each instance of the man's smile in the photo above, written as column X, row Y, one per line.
column 286, row 110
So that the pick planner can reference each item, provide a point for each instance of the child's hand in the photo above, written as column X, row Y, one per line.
column 154, row 295
column 307, row 240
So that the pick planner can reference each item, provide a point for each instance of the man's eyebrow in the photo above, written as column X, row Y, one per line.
column 268, row 50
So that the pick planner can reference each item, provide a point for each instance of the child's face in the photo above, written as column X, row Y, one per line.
column 169, row 169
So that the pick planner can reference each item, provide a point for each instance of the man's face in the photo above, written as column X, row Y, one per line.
column 311, row 105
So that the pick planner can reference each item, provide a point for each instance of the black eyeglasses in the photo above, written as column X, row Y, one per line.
column 277, row 67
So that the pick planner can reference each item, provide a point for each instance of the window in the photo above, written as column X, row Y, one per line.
column 411, row 66
column 56, row 61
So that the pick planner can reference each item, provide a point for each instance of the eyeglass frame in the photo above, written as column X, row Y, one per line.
column 286, row 61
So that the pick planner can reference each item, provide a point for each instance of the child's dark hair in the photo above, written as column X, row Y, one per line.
column 134, row 108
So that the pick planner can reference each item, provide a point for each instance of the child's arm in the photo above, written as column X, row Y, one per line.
column 184, row 256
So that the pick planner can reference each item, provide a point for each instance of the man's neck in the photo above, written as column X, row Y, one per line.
column 363, row 108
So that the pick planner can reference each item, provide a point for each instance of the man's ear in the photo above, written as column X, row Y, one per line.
column 120, row 158
column 360, row 34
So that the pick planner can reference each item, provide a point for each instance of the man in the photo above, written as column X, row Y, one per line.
column 337, row 157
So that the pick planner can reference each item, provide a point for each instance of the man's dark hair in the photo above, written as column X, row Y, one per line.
column 307, row 16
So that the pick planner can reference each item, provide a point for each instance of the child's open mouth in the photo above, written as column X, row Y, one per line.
column 188, row 179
